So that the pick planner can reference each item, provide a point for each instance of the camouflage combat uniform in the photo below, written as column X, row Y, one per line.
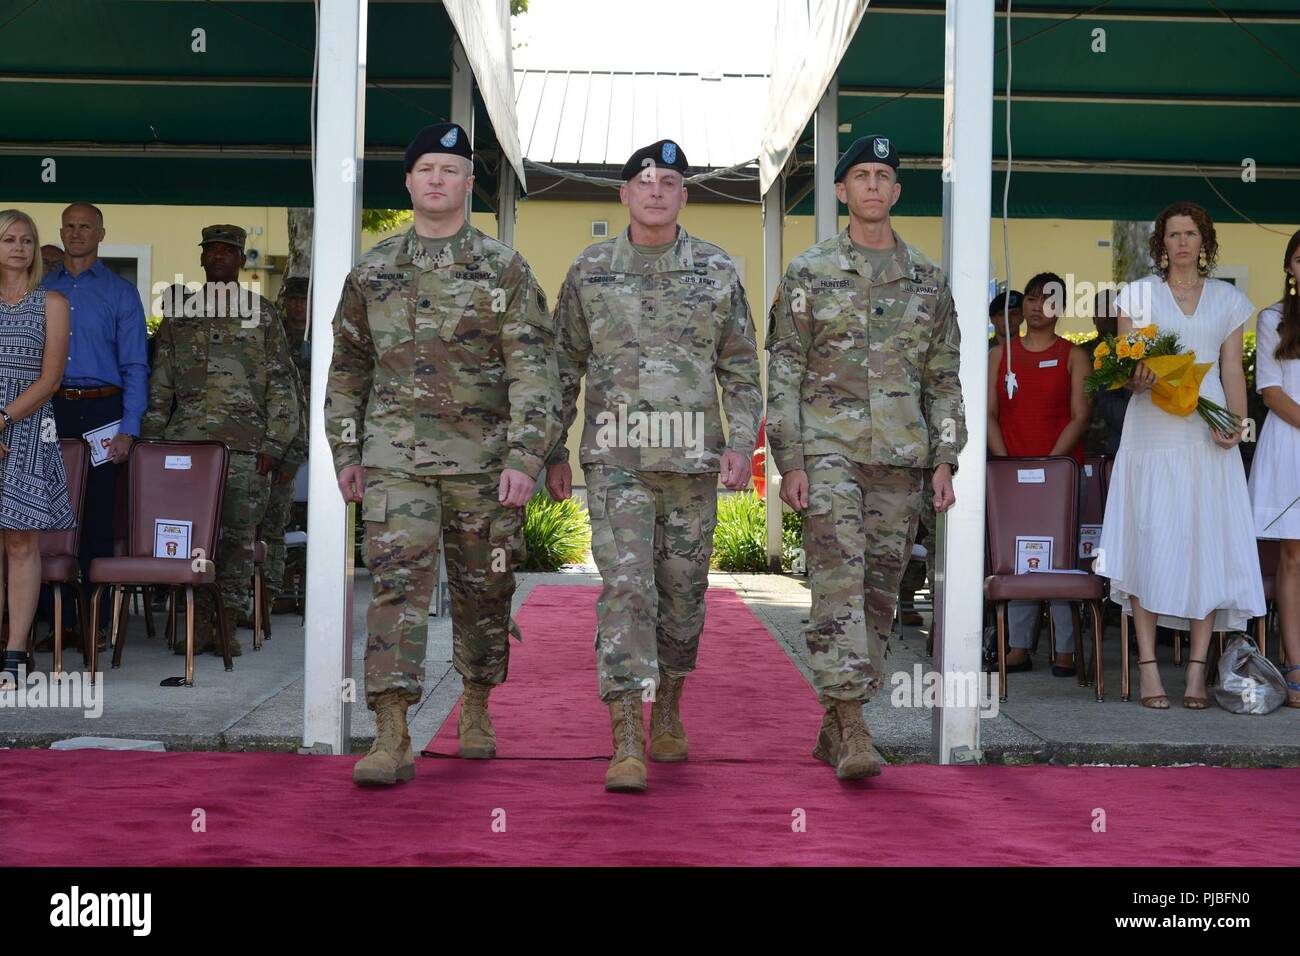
column 443, row 375
column 654, row 339
column 228, row 373
column 279, row 506
column 863, row 394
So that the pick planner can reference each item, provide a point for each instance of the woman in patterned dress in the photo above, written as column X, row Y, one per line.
column 33, row 487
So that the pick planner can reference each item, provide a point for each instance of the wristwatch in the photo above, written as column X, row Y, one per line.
column 4, row 413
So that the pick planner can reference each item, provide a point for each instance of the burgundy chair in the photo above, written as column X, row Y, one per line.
column 59, row 549
column 1270, row 556
column 261, row 613
column 1049, row 508
column 191, row 490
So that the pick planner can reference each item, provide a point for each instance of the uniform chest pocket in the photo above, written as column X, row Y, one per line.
column 839, row 321
column 191, row 342
column 468, row 316
column 613, row 317
column 389, row 315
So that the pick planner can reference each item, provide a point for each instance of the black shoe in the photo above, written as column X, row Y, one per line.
column 1027, row 664
column 13, row 662
column 1059, row 671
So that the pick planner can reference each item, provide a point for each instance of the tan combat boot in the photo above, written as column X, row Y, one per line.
column 390, row 759
column 478, row 741
column 828, row 738
column 857, row 757
column 667, row 735
column 627, row 766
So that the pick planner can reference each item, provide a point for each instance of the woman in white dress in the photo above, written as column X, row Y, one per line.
column 1275, row 472
column 1178, row 538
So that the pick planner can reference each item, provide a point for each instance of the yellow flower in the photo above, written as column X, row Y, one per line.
column 1122, row 349
column 1096, row 363
column 1148, row 332
column 1102, row 350
column 1139, row 350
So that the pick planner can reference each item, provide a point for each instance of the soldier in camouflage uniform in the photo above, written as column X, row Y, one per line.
column 863, row 397
column 656, row 319
column 442, row 403
column 222, row 361
column 279, row 508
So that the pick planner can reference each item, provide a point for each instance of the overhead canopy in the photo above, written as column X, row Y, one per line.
column 1179, row 100
column 136, row 105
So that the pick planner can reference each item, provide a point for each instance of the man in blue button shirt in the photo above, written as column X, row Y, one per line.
column 107, row 376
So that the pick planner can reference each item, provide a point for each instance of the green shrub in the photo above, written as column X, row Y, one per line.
column 791, row 540
column 556, row 533
column 740, row 537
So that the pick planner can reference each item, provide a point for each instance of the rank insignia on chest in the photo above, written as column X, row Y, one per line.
column 602, row 279
column 478, row 276
column 819, row 284
column 709, row 281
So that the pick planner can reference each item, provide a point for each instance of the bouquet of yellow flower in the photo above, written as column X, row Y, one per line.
column 1178, row 374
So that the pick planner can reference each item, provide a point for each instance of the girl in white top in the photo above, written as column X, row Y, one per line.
column 1275, row 473
column 1178, row 538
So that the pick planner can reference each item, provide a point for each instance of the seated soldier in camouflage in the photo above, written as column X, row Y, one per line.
column 863, row 398
column 222, row 371
column 656, row 319
column 442, row 402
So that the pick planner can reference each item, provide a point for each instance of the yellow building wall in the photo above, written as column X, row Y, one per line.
column 550, row 234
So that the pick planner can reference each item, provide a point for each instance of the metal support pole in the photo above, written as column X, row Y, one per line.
column 968, row 163
column 773, row 266
column 340, row 145
column 462, row 100
column 507, row 204
column 826, row 123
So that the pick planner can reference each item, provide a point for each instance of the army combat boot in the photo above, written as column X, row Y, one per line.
column 478, row 741
column 828, row 737
column 390, row 759
column 667, row 735
column 627, row 766
column 857, row 757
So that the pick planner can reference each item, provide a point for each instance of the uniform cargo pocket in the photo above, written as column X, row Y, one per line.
column 374, row 505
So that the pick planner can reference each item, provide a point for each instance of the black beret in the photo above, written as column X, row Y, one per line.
column 439, row 138
column 868, row 149
column 293, row 287
column 665, row 154
column 995, row 307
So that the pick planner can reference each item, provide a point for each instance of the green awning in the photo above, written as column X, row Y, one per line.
column 117, row 94
column 1179, row 100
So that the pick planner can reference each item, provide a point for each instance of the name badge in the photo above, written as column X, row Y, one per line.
column 602, row 279
column 832, row 284
column 1047, row 363
column 922, row 289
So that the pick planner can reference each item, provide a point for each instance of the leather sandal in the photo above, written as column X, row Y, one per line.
column 1196, row 703
column 1293, row 687
column 1154, row 701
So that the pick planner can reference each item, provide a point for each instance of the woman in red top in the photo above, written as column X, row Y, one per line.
column 1046, row 415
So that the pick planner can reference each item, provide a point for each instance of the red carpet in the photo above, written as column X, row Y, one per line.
column 752, row 718
column 745, row 701
column 96, row 808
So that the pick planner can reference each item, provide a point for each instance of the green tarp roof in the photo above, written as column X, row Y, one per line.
column 1112, row 134
column 114, row 91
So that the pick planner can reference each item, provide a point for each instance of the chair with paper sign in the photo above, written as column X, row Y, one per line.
column 1032, row 515
column 176, row 492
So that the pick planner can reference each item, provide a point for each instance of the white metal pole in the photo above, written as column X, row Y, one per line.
column 340, row 143
column 773, row 266
column 826, row 124
column 968, row 164
column 462, row 101
column 507, row 199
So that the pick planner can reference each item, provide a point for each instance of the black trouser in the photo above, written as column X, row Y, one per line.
column 73, row 418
